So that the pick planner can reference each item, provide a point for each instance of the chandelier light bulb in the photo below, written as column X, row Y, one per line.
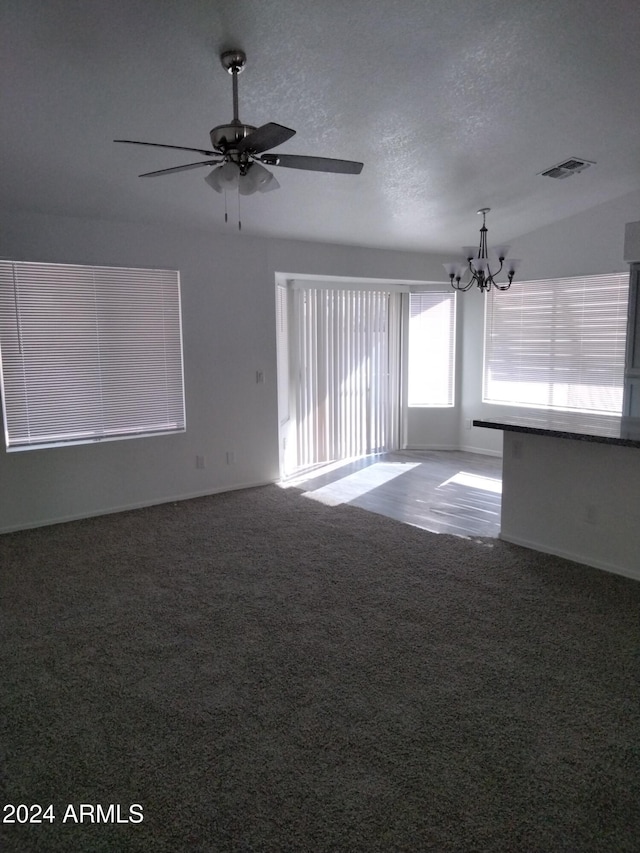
column 500, row 252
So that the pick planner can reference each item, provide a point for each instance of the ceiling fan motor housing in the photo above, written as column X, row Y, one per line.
column 233, row 61
column 225, row 137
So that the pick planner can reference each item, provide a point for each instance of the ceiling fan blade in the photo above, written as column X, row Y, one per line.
column 176, row 147
column 265, row 137
column 313, row 164
column 179, row 168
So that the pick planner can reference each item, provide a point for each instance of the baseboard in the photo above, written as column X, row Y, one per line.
column 128, row 507
column 483, row 451
column 425, row 447
column 576, row 558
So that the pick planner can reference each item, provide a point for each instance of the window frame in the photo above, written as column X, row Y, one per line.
column 89, row 354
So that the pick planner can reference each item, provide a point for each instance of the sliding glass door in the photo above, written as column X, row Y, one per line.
column 342, row 388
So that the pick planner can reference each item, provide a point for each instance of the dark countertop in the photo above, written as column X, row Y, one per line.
column 599, row 428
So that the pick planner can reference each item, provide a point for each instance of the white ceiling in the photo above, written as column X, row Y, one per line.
column 452, row 105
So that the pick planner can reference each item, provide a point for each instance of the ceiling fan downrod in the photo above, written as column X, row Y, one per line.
column 227, row 136
column 234, row 62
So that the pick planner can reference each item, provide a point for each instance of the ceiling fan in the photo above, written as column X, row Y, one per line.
column 238, row 149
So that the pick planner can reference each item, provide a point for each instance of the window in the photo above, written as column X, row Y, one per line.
column 557, row 344
column 432, row 335
column 88, row 353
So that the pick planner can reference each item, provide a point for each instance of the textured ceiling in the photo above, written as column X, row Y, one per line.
column 452, row 105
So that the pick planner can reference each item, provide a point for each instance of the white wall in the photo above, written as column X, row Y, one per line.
column 589, row 243
column 228, row 303
column 229, row 333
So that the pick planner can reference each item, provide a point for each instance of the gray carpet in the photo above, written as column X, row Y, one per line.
column 264, row 673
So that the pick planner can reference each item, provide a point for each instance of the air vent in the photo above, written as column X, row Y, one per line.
column 567, row 168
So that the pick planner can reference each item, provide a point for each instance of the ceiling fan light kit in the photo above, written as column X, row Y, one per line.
column 228, row 177
column 238, row 149
column 483, row 264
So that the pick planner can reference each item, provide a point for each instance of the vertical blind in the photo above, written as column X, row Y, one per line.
column 89, row 353
column 345, row 346
column 282, row 347
column 432, row 341
column 557, row 344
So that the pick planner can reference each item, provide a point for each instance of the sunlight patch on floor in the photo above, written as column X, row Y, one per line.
column 358, row 483
column 298, row 480
column 475, row 481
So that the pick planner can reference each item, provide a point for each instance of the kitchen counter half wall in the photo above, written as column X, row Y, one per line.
column 599, row 428
column 571, row 487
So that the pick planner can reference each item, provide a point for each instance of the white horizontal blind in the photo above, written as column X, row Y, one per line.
column 345, row 347
column 89, row 353
column 557, row 344
column 432, row 342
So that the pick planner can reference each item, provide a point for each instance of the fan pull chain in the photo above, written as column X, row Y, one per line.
column 226, row 214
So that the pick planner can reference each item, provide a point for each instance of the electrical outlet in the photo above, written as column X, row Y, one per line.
column 231, row 457
column 467, row 423
column 260, row 377
column 591, row 514
column 200, row 462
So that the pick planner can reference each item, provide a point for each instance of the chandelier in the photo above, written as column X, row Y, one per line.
column 483, row 264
